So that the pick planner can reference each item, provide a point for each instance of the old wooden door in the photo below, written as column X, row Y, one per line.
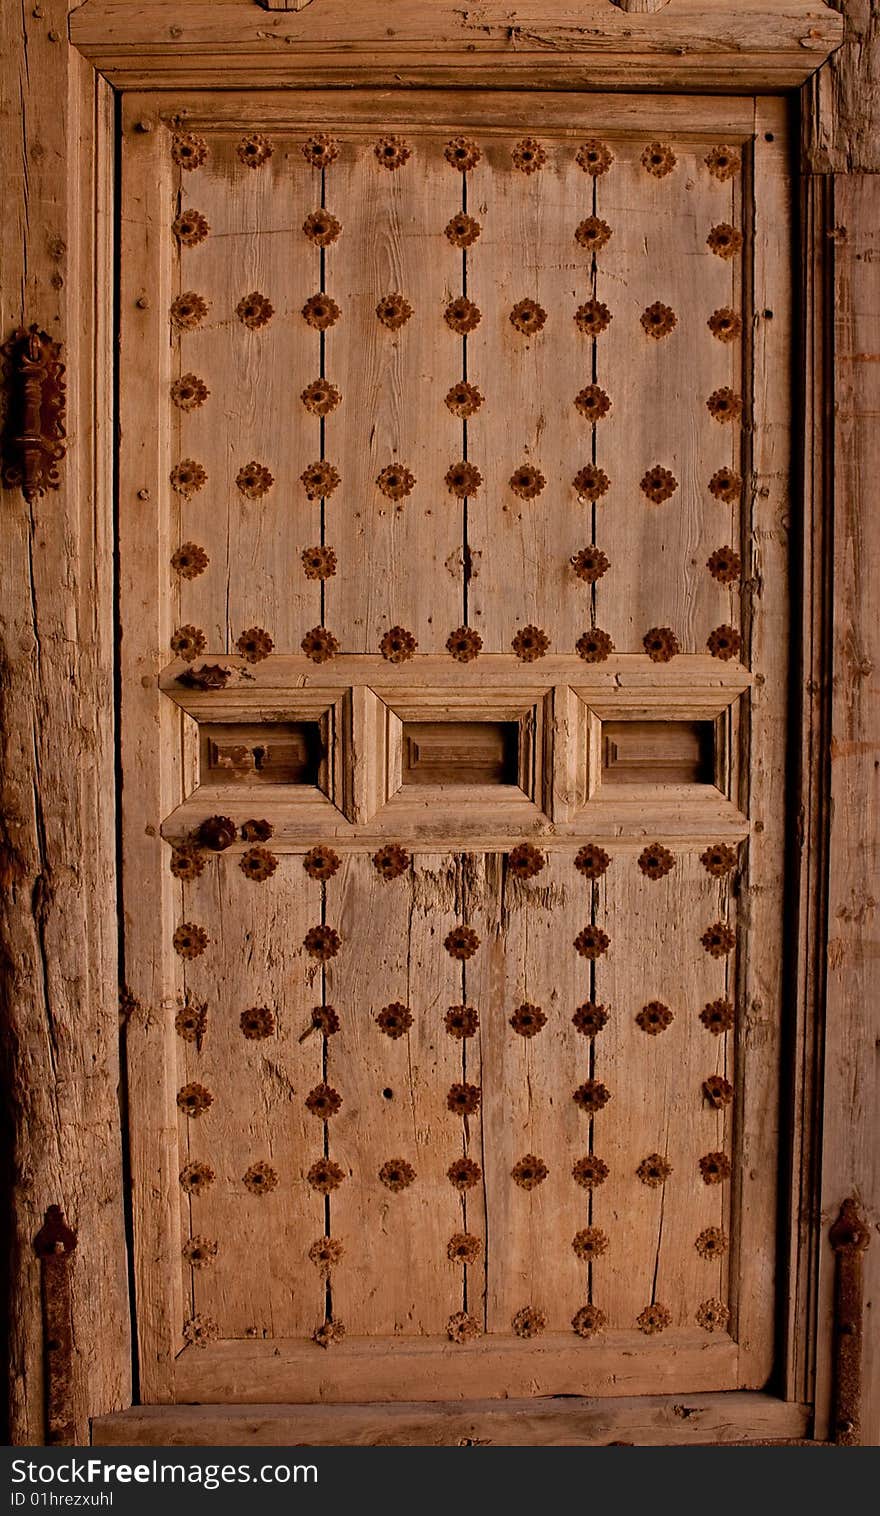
column 454, row 643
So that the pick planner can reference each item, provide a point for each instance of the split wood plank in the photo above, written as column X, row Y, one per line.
column 659, row 388
column 395, row 1277
column 255, row 959
column 255, row 376
column 393, row 384
column 521, row 548
column 657, row 1105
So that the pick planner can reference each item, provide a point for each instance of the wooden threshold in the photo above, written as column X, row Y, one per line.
column 569, row 1421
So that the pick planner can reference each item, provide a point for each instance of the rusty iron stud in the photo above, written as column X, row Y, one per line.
column 34, row 439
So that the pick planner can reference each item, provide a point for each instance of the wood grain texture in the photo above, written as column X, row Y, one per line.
column 646, row 1420
column 840, row 114
column 687, row 43
column 58, row 938
column 849, row 1165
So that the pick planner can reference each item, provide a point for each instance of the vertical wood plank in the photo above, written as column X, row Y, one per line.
column 659, row 388
column 393, row 384
column 521, row 548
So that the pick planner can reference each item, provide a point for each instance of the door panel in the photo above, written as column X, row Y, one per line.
column 453, row 744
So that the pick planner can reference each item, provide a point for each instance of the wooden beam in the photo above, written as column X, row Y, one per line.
column 689, row 44
column 648, row 1420
column 842, row 115
column 59, row 1024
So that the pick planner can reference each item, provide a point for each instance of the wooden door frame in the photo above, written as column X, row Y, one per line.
column 59, row 1009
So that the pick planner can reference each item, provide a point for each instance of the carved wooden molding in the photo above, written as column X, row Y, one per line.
column 33, row 441
column 635, row 44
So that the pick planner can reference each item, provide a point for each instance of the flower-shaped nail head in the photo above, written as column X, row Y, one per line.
column 711, row 1243
column 654, row 1318
column 725, row 324
column 319, row 479
column 392, row 152
column 655, row 861
column 594, row 646
column 462, row 316
column 718, row 1091
column 187, row 863
column 329, row 1334
column 529, row 1172
column 658, row 159
column 200, row 1330
column 254, row 150
column 530, row 643
column 712, row 1315
column 723, row 405
column 658, row 320
column 258, row 864
column 464, row 1099
column 324, row 1020
column 463, row 1174
column 462, row 153
column 588, row 1320
column 723, row 162
column 255, row 830
column 463, row 399
column 320, row 312
column 724, row 240
column 725, row 565
column 462, row 942
column 189, row 392
column 463, row 1247
column 589, row 1172
column 190, row 228
column 189, row 940
column 322, row 942
column 726, row 485
column 391, row 861
column 592, row 233
column 196, row 1178
column 591, row 860
column 715, row 1168
column 718, row 1016
column 661, row 644
column 254, row 310
column 321, row 228
column 589, row 1244
column 187, row 477
column 321, row 862
column 194, row 1099
column 462, row 1327
column 724, row 642
column 591, row 1096
column 188, row 311
column 394, row 311
column 323, row 1101
column 462, row 230
column 191, row 1023
column 254, row 480
column 461, row 1021
column 719, row 859
column 319, row 562
column 257, row 1023
column 319, row 644
column 594, row 157
column 320, row 398
column 397, row 645
column 188, row 642
column 592, row 318
column 592, row 942
column 320, row 150
column 591, row 482
column 654, row 1170
column 527, row 316
column 654, row 1018
column 527, row 481
column 589, row 1019
column 254, row 644
column 592, row 403
column 658, row 484
column 395, row 481
column 528, row 1020
column 463, row 479
column 590, row 564
column 394, row 1020
column 464, row 644
column 396, row 1174
column 525, row 860
column 188, row 150
column 529, row 1322
column 718, row 939
column 325, row 1176
column 528, row 155
column 324, row 1254
column 189, row 560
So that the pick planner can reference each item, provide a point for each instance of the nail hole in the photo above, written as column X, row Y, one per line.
column 768, row 315
column 769, row 137
column 388, row 1094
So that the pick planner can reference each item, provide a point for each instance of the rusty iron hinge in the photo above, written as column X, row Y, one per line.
column 849, row 1237
column 53, row 1245
column 33, row 436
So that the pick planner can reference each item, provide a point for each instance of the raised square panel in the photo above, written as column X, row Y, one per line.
column 460, row 752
